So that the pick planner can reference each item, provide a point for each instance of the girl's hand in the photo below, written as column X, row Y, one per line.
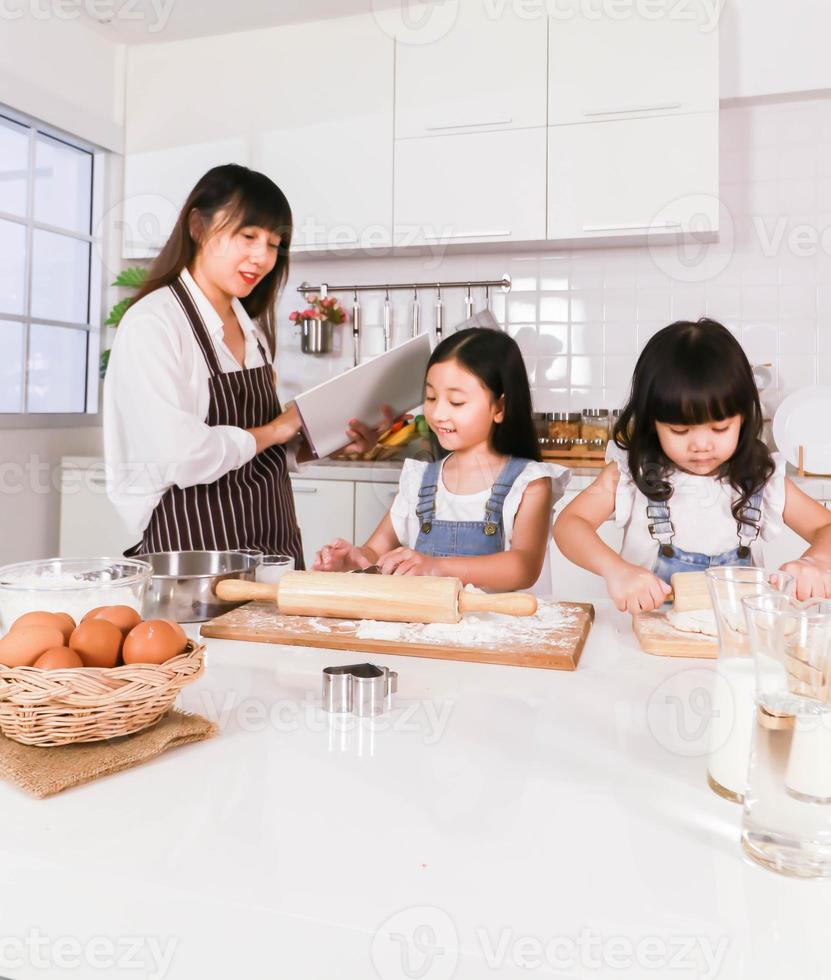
column 634, row 589
column 812, row 578
column 339, row 556
column 405, row 561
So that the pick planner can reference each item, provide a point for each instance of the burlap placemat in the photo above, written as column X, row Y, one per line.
column 44, row 771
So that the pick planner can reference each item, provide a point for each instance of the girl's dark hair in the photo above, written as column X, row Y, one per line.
column 691, row 374
column 494, row 358
column 247, row 198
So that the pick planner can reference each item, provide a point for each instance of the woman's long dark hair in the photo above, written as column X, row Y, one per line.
column 246, row 198
column 691, row 374
column 494, row 358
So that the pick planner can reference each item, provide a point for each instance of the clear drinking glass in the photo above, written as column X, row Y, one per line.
column 734, row 688
column 273, row 567
column 786, row 824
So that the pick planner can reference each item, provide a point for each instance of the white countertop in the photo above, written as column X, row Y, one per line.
column 818, row 487
column 495, row 813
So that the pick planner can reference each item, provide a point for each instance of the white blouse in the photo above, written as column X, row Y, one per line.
column 700, row 512
column 471, row 506
column 156, row 401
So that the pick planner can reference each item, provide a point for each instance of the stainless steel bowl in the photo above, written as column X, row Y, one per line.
column 183, row 586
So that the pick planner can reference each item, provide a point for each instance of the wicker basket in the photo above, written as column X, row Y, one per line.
column 87, row 704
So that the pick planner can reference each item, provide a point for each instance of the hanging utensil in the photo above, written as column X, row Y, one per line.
column 356, row 329
column 468, row 304
column 439, row 313
column 416, row 314
column 387, row 321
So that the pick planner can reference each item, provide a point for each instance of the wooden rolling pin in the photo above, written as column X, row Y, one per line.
column 393, row 598
column 689, row 591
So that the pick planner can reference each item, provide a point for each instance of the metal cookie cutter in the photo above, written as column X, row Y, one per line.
column 363, row 689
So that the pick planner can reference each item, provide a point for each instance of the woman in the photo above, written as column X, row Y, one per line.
column 198, row 449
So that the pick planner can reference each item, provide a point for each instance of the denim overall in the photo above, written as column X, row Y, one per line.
column 447, row 539
column 671, row 559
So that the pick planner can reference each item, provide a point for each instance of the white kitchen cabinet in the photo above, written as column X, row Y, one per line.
column 310, row 105
column 324, row 129
column 466, row 67
column 631, row 177
column 476, row 187
column 655, row 59
column 372, row 501
column 325, row 510
column 90, row 526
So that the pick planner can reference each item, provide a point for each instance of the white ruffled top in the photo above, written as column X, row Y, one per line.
column 700, row 512
column 471, row 506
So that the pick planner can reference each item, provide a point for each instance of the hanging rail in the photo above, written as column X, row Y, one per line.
column 324, row 288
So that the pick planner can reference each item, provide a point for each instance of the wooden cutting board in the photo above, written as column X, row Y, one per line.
column 556, row 644
column 656, row 636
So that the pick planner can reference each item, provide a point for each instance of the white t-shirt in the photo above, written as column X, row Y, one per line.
column 700, row 512
column 471, row 506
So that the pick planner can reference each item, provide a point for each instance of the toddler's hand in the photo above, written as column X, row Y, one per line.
column 405, row 561
column 634, row 589
column 812, row 578
column 339, row 556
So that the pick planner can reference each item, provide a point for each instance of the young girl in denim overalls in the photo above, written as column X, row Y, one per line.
column 689, row 479
column 482, row 510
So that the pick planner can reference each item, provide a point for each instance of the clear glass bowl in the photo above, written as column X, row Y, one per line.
column 71, row 585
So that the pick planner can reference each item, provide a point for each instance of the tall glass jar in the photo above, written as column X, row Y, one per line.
column 734, row 687
column 786, row 825
column 594, row 424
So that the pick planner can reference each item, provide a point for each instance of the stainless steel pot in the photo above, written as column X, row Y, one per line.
column 183, row 586
column 317, row 337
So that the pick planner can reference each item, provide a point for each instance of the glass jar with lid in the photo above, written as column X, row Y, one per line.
column 564, row 425
column 594, row 424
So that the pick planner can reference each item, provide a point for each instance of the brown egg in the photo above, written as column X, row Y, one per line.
column 97, row 642
column 179, row 632
column 152, row 642
column 62, row 621
column 124, row 617
column 58, row 658
column 24, row 645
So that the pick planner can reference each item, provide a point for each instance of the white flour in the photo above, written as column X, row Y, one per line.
column 33, row 596
column 475, row 629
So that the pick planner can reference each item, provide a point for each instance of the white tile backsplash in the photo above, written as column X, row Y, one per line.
column 580, row 316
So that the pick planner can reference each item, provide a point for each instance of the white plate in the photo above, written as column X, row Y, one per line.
column 804, row 419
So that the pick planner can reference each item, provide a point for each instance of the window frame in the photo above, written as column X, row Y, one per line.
column 94, row 328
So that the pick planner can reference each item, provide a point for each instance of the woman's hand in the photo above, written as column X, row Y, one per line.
column 364, row 437
column 340, row 556
column 634, row 589
column 812, row 578
column 278, row 431
column 406, row 561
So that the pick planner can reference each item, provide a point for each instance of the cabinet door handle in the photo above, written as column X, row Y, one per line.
column 298, row 489
column 651, row 226
column 97, row 481
column 436, row 127
column 628, row 110
column 469, row 234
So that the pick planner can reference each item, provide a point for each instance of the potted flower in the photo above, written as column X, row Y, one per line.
column 316, row 321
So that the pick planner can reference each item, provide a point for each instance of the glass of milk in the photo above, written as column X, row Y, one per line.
column 734, row 686
column 273, row 567
column 786, row 824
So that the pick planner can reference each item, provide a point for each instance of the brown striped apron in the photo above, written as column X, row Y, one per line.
column 249, row 507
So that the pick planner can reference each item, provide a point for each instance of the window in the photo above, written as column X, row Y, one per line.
column 50, row 281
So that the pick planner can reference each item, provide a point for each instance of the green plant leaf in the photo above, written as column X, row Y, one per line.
column 131, row 278
column 102, row 366
column 117, row 312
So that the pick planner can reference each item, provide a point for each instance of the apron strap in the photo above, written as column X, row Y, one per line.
column 203, row 338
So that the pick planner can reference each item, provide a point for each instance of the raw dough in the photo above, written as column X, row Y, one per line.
column 694, row 621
